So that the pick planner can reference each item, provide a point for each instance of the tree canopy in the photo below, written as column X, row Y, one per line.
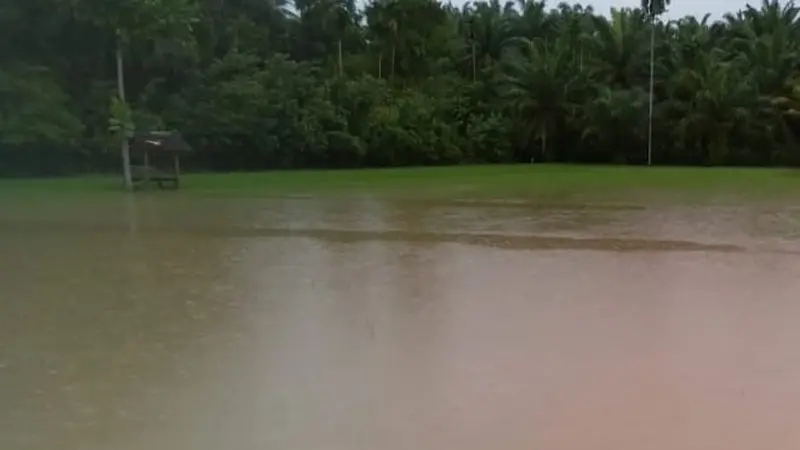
column 270, row 84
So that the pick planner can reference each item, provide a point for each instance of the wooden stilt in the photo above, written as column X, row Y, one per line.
column 177, row 170
column 146, row 169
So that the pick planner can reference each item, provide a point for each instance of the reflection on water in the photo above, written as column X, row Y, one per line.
column 185, row 323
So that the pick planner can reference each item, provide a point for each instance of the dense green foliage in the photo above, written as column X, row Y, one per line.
column 257, row 84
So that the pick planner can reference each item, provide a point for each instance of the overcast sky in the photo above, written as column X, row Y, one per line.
column 679, row 8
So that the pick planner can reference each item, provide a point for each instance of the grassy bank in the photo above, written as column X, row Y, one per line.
column 520, row 181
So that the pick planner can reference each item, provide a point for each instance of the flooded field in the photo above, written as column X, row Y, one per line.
column 187, row 323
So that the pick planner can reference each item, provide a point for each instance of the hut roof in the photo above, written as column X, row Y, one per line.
column 159, row 141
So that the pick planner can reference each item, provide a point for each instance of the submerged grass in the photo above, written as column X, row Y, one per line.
column 474, row 182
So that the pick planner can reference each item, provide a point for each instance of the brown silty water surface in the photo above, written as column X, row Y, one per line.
column 184, row 323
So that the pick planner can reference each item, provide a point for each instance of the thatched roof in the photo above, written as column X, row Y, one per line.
column 159, row 141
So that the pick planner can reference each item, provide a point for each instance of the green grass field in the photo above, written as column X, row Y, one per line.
column 517, row 181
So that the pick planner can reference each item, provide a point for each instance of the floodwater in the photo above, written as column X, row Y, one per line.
column 175, row 322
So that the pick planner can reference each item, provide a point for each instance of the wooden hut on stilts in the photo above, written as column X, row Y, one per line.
column 159, row 153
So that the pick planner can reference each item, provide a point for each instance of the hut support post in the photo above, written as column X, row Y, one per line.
column 177, row 162
column 146, row 167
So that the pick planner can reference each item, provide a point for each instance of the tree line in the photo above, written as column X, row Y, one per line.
column 269, row 84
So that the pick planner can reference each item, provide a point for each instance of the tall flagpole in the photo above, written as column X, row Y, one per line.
column 652, row 83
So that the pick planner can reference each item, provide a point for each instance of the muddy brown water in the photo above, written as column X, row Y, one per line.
column 184, row 323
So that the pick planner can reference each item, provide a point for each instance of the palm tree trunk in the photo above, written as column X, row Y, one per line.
column 474, row 64
column 341, row 65
column 716, row 149
column 126, row 154
column 544, row 144
column 394, row 55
